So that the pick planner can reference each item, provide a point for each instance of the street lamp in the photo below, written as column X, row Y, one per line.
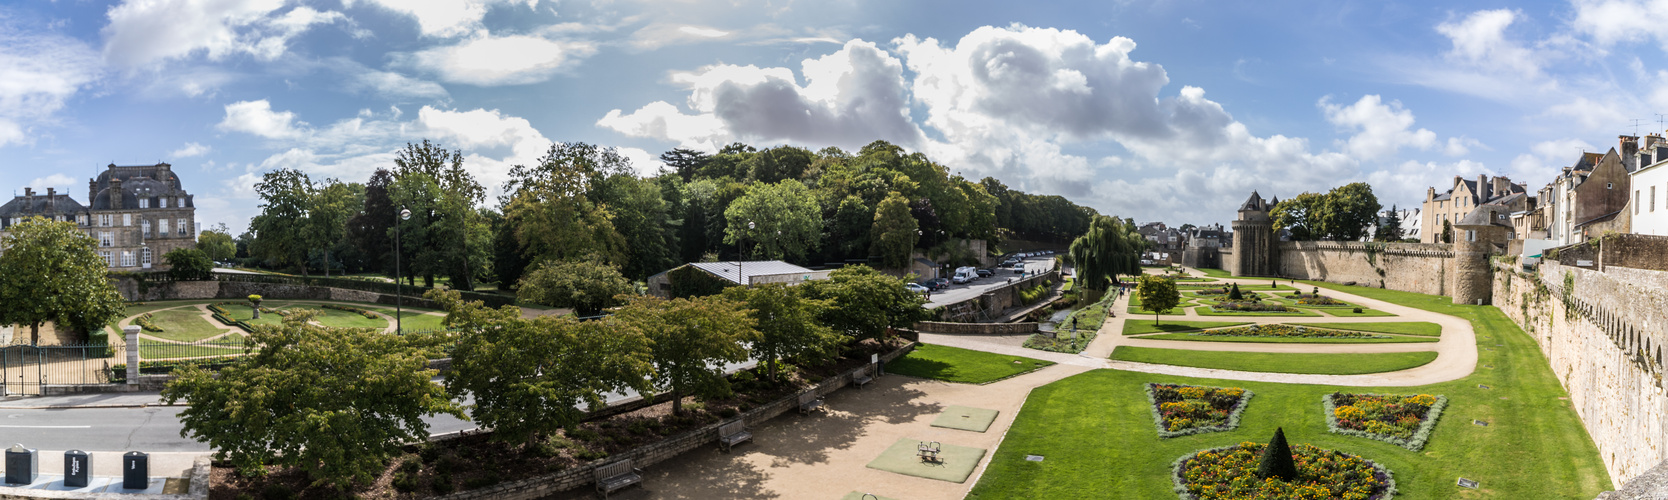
column 742, row 278
column 399, row 287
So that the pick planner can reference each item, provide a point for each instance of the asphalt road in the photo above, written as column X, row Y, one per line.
column 153, row 429
column 958, row 293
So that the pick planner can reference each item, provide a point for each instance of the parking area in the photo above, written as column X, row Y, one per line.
column 1004, row 275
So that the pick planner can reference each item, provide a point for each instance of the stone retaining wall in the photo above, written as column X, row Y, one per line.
column 1410, row 267
column 975, row 328
column 1604, row 340
column 991, row 303
column 241, row 290
column 645, row 456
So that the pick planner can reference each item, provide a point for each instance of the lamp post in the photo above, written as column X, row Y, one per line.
column 399, row 287
column 740, row 277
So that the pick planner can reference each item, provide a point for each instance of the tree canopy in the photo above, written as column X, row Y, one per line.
column 587, row 286
column 1157, row 293
column 1343, row 214
column 49, row 271
column 1110, row 248
column 790, row 325
column 188, row 264
column 693, row 338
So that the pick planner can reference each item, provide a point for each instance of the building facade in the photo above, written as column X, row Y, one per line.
column 1254, row 239
column 135, row 214
column 1441, row 210
column 1650, row 197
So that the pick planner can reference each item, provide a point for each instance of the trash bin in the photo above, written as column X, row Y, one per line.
column 22, row 465
column 136, row 470
column 78, row 468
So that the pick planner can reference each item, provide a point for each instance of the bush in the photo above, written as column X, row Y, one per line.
column 1287, row 331
column 728, row 413
column 189, row 264
column 1357, row 310
column 144, row 322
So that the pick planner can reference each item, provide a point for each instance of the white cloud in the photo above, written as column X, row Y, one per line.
column 190, row 149
column 509, row 60
column 1381, row 128
column 257, row 117
column 388, row 84
column 1480, row 40
column 657, row 35
column 147, row 31
column 1405, row 184
column 38, row 73
column 851, row 97
column 1609, row 22
column 444, row 18
column 643, row 163
column 1461, row 146
column 60, row 181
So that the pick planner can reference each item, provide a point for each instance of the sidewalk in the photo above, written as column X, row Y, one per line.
column 94, row 400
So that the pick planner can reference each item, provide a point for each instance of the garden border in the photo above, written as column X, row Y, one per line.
column 1231, row 424
column 1416, row 443
column 1180, row 487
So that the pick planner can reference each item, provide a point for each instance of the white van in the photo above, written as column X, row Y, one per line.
column 965, row 274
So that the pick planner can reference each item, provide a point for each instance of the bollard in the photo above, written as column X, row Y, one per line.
column 78, row 468
column 136, row 470
column 22, row 465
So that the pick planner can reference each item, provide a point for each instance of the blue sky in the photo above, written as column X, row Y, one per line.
column 1168, row 111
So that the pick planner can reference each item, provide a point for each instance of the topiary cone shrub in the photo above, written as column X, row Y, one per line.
column 1233, row 293
column 1277, row 459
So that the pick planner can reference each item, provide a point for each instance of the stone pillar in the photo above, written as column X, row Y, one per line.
column 132, row 334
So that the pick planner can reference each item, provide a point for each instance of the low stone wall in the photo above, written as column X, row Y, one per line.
column 1636, row 251
column 991, row 303
column 975, row 328
column 645, row 456
column 240, row 290
column 1410, row 267
column 198, row 490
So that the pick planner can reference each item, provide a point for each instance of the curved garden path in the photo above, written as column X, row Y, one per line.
column 1456, row 350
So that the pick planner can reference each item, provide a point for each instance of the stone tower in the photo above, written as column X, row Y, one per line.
column 1478, row 236
column 1254, row 239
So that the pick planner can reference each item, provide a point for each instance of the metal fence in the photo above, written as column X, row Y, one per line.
column 26, row 369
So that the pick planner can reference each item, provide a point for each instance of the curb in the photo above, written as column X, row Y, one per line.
column 91, row 406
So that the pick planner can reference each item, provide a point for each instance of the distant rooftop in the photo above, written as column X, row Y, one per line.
column 749, row 269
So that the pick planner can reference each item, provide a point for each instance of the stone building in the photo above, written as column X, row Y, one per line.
column 1460, row 199
column 1597, row 203
column 136, row 214
column 748, row 273
column 1479, row 235
column 1649, row 207
column 1253, row 242
column 1203, row 247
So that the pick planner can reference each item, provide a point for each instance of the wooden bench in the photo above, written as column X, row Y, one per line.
column 614, row 476
column 809, row 402
column 863, row 376
column 733, row 433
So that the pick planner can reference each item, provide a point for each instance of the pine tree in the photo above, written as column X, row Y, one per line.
column 1277, row 459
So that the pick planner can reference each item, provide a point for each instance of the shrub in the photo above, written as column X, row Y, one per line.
column 1357, row 310
column 728, row 413
column 1320, row 301
column 1183, row 410
column 1234, row 294
column 144, row 322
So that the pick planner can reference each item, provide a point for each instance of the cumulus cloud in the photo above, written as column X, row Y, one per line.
column 851, row 97
column 190, row 149
column 60, row 181
column 147, row 31
column 488, row 60
column 39, row 71
column 1406, row 182
column 444, row 18
column 1609, row 22
column 1380, row 128
column 258, row 118
column 657, row 35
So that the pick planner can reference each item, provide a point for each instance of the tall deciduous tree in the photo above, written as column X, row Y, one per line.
column 338, row 403
column 790, row 325
column 693, row 339
column 894, row 232
column 454, row 239
column 1349, row 210
column 188, row 264
column 685, row 162
column 50, row 271
column 586, row 286
column 530, row 377
column 641, row 215
column 281, row 233
column 1110, row 248
column 865, row 302
column 1301, row 215
column 328, row 209
column 780, row 220
column 551, row 206
column 217, row 243
column 371, row 230
column 1158, row 294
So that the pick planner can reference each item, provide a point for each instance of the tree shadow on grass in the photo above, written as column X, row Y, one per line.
column 922, row 368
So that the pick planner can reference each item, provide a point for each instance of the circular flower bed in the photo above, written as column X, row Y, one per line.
column 1289, row 331
column 1405, row 421
column 1230, row 473
column 1248, row 306
column 1182, row 410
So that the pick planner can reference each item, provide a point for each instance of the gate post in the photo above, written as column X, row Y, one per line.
column 132, row 334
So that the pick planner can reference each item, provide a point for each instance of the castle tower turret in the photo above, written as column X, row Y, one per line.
column 1253, row 239
column 1478, row 236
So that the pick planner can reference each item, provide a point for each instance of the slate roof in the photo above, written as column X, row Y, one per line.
column 1486, row 215
column 750, row 269
column 137, row 181
column 44, row 205
column 1255, row 203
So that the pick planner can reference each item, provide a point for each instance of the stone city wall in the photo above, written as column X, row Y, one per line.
column 1409, row 267
column 1603, row 335
column 240, row 290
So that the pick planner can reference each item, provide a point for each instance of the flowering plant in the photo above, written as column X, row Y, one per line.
column 1404, row 421
column 1231, row 473
column 1287, row 331
column 1183, row 410
column 1248, row 306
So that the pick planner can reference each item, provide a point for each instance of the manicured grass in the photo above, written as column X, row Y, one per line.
column 1288, row 340
column 1407, row 328
column 184, row 324
column 1325, row 364
column 244, row 313
column 1096, row 429
column 342, row 319
column 954, row 364
column 1215, row 273
column 225, row 346
column 1344, row 312
column 414, row 320
column 1139, row 326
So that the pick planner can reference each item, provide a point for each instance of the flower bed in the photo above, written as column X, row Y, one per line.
column 1185, row 410
column 1288, row 331
column 144, row 322
column 1320, row 301
column 1404, row 421
column 1231, row 473
column 1211, row 291
column 1249, row 306
column 355, row 310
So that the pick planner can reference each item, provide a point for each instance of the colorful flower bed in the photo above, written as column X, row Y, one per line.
column 1288, row 331
column 1248, row 306
column 1184, row 410
column 1231, row 473
column 1404, row 421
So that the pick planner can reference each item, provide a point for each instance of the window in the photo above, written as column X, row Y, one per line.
column 179, row 202
column 1471, row 235
column 1653, row 198
column 144, row 202
column 146, row 225
column 164, row 228
column 109, row 260
column 104, row 220
column 163, row 202
column 181, row 226
column 81, row 219
column 127, row 220
column 127, row 258
column 1608, row 185
column 145, row 257
column 106, row 239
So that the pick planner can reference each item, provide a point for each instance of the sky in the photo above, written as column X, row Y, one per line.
column 1167, row 111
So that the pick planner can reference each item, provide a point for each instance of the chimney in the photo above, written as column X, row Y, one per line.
column 92, row 190
column 52, row 198
column 1629, row 145
column 1482, row 188
column 164, row 172
column 115, row 193
column 29, row 199
column 1502, row 185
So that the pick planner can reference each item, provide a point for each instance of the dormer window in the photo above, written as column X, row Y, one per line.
column 162, row 202
column 144, row 202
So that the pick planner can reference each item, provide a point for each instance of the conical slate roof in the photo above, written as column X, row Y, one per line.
column 1254, row 203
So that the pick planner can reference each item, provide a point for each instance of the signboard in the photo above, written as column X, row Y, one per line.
column 1584, row 263
column 1467, row 483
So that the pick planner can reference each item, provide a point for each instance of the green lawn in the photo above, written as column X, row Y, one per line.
column 228, row 345
column 1326, row 364
column 954, row 364
column 244, row 313
column 414, row 320
column 1096, row 429
column 1289, row 340
column 1134, row 326
column 1343, row 312
column 1407, row 328
column 1215, row 273
column 186, row 325
column 342, row 319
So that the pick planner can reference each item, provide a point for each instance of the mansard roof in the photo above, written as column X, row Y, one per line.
column 20, row 206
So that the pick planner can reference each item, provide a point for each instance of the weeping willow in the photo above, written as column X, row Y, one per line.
column 1110, row 248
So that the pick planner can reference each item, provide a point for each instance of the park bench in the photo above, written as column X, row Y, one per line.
column 614, row 476
column 809, row 402
column 733, row 433
column 863, row 376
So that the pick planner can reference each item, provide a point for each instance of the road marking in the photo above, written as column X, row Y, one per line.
column 46, row 426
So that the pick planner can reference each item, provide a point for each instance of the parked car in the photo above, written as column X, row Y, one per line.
column 1019, row 268
column 941, row 283
column 915, row 287
column 985, row 273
